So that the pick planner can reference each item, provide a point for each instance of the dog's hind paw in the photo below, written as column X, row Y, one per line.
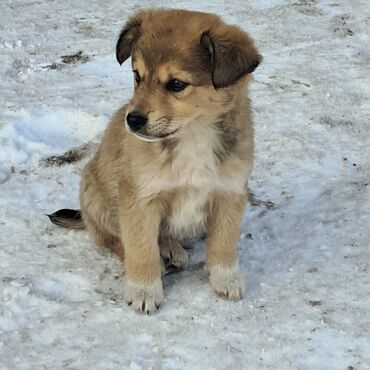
column 144, row 298
column 174, row 255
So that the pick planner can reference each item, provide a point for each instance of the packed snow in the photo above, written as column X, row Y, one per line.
column 304, row 246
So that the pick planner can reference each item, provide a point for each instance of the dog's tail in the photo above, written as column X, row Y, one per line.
column 68, row 218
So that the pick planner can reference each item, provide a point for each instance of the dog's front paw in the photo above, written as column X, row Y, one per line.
column 227, row 282
column 144, row 298
column 174, row 255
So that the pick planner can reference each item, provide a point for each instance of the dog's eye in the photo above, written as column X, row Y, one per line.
column 176, row 85
column 137, row 76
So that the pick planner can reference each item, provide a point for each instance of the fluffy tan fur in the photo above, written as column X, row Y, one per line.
column 188, row 173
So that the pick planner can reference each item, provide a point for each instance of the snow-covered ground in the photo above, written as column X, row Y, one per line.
column 304, row 247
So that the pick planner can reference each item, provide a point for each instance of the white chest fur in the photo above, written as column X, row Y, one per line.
column 188, row 214
column 193, row 165
column 195, row 174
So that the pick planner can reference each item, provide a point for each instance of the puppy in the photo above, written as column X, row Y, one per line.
column 175, row 161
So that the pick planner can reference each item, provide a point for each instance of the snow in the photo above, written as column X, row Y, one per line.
column 304, row 247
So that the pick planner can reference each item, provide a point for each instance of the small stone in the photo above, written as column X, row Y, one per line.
column 315, row 303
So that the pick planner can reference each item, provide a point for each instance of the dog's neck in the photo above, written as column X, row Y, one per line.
column 196, row 157
column 216, row 139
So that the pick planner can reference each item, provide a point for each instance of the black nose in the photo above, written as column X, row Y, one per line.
column 136, row 120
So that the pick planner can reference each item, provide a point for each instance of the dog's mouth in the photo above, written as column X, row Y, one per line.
column 145, row 136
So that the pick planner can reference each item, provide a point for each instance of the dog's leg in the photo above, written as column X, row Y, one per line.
column 173, row 254
column 139, row 223
column 223, row 234
column 97, row 213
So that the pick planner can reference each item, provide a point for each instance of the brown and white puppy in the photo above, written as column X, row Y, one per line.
column 175, row 160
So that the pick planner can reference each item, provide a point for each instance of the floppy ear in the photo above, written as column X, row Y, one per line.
column 129, row 35
column 231, row 56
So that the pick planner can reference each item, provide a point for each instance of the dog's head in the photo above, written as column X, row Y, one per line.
column 188, row 67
